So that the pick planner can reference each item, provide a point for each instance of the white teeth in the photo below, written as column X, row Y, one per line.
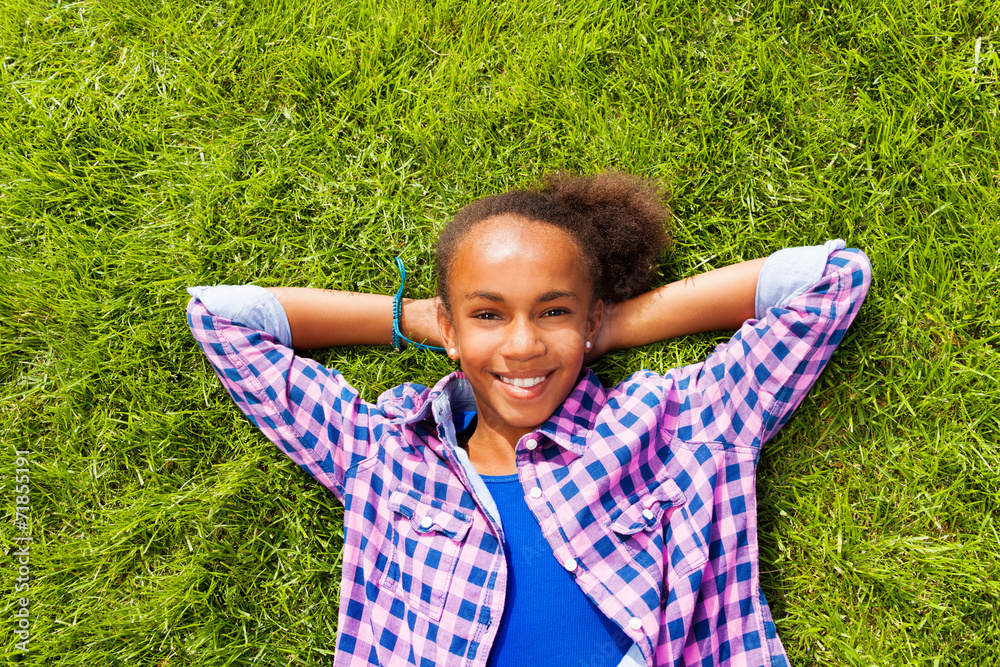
column 523, row 382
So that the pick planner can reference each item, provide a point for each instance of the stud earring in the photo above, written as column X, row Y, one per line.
column 452, row 352
column 587, row 346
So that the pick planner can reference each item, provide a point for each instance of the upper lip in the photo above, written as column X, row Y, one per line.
column 522, row 375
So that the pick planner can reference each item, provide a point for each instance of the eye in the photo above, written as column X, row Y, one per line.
column 553, row 312
column 486, row 315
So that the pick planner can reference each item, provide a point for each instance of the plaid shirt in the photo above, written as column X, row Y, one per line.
column 644, row 492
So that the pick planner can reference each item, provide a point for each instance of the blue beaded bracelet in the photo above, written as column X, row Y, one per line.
column 397, row 312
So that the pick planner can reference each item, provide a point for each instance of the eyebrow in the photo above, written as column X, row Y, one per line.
column 495, row 297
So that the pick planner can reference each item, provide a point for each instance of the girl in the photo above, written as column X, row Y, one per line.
column 519, row 513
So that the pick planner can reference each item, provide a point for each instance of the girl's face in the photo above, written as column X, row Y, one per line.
column 521, row 316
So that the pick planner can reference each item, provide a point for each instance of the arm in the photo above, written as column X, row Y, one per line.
column 321, row 318
column 719, row 299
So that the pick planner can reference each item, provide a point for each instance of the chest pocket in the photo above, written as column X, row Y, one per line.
column 427, row 538
column 656, row 528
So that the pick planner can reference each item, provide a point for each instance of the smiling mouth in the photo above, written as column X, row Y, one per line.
column 523, row 383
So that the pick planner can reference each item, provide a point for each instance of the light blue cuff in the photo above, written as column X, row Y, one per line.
column 247, row 305
column 790, row 272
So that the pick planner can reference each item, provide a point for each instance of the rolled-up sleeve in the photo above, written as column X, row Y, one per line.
column 789, row 272
column 247, row 305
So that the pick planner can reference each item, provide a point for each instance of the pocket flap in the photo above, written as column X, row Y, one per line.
column 643, row 510
column 429, row 515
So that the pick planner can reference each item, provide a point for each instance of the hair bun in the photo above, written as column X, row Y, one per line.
column 628, row 226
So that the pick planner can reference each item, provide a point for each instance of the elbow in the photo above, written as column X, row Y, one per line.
column 860, row 268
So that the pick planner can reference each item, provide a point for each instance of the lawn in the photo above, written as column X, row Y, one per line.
column 150, row 145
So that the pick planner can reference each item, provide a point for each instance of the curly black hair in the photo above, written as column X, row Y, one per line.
column 619, row 222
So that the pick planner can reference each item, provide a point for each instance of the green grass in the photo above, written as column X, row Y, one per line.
column 147, row 146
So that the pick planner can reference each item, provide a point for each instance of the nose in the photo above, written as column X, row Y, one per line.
column 522, row 341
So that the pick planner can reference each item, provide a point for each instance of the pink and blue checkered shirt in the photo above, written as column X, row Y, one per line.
column 644, row 492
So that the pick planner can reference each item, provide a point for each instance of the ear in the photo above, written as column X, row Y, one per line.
column 446, row 327
column 594, row 319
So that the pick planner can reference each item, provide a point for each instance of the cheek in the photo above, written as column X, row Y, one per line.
column 579, row 334
column 570, row 349
column 470, row 343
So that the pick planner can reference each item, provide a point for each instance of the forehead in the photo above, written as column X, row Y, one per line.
column 508, row 236
column 518, row 253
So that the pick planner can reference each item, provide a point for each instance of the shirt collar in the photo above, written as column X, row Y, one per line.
column 574, row 419
column 452, row 393
column 568, row 426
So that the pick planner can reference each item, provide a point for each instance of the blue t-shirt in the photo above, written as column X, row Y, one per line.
column 547, row 620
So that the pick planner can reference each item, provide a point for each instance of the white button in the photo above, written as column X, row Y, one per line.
column 531, row 443
column 535, row 492
column 426, row 522
column 635, row 623
column 569, row 564
column 648, row 514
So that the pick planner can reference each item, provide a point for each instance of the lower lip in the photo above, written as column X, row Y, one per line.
column 526, row 392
